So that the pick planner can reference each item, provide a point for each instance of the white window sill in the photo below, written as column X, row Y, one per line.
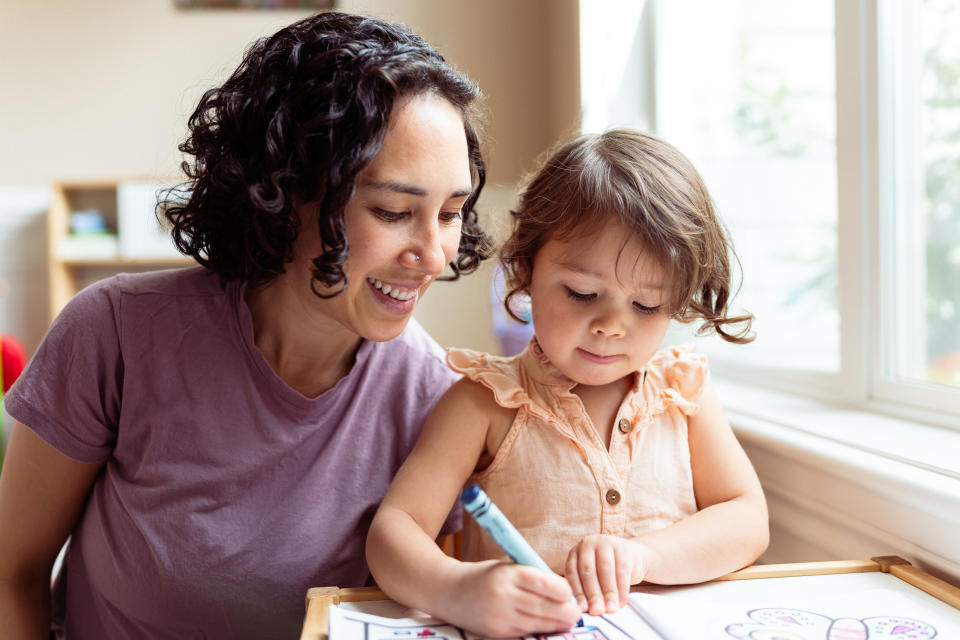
column 843, row 483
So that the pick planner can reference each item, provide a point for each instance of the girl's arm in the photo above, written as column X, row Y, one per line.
column 491, row 598
column 42, row 493
column 729, row 531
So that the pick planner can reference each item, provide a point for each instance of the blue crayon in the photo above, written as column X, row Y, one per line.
column 478, row 504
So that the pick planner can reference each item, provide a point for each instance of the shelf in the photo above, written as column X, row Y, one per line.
column 131, row 238
column 120, row 263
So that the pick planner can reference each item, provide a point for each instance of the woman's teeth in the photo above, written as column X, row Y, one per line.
column 398, row 294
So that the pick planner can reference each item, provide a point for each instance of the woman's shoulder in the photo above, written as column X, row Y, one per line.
column 100, row 310
column 416, row 339
column 179, row 282
column 413, row 356
column 187, row 281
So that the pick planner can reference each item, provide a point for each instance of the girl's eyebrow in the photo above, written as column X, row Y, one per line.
column 578, row 268
column 409, row 189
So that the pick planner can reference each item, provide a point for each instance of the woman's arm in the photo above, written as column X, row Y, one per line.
column 731, row 529
column 492, row 598
column 42, row 493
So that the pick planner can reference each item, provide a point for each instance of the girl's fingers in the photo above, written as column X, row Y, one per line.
column 572, row 574
column 625, row 563
column 544, row 604
column 606, row 570
column 543, row 585
column 542, row 615
column 587, row 569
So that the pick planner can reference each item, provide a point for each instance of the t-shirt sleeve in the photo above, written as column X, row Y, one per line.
column 70, row 392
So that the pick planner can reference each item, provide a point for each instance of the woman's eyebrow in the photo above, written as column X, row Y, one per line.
column 409, row 189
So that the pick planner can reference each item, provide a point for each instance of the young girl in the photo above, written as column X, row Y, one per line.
column 613, row 459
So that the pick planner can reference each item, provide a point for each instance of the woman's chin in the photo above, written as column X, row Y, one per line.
column 382, row 332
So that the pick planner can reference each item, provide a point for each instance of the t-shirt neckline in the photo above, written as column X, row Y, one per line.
column 243, row 327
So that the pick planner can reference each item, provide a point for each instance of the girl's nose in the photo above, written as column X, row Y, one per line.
column 608, row 325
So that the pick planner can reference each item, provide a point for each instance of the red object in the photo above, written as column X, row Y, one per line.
column 13, row 359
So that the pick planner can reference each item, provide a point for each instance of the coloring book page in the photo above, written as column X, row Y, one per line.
column 878, row 614
column 392, row 622
column 862, row 606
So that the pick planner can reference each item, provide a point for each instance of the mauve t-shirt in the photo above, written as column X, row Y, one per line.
column 225, row 493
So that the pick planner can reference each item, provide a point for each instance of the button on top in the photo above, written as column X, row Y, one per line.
column 624, row 425
column 613, row 496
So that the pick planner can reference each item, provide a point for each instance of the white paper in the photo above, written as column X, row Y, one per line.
column 877, row 614
column 397, row 623
column 743, row 611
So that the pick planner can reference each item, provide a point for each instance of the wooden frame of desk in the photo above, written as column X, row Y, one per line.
column 319, row 599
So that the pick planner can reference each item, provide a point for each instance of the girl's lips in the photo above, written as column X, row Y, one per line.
column 593, row 357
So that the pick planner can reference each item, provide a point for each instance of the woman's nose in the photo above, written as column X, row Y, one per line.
column 426, row 252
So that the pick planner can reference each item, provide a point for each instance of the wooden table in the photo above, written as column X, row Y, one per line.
column 319, row 599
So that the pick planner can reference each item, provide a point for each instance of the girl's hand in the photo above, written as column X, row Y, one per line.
column 600, row 570
column 499, row 599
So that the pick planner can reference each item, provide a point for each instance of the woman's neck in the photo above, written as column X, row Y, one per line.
column 310, row 352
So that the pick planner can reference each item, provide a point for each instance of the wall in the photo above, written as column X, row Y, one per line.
column 830, row 501
column 103, row 88
column 524, row 55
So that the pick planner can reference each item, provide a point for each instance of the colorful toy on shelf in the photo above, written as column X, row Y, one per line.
column 13, row 359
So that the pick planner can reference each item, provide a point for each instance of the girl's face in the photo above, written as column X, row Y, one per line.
column 598, row 305
column 402, row 223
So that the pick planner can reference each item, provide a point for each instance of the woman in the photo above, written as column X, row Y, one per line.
column 216, row 439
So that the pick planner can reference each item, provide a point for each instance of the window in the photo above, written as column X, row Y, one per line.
column 835, row 161
column 919, row 116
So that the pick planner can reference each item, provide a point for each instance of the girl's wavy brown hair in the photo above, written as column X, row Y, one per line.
column 635, row 179
column 302, row 115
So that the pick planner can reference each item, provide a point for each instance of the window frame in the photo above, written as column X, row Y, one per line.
column 850, row 462
column 871, row 150
column 895, row 26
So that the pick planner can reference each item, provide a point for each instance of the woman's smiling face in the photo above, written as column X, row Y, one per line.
column 402, row 223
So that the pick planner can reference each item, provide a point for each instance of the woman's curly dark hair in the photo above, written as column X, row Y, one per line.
column 302, row 115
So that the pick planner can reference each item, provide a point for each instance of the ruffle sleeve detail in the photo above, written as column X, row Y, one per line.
column 675, row 378
column 494, row 372
column 504, row 377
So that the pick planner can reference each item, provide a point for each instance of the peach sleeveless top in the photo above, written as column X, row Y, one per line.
column 556, row 480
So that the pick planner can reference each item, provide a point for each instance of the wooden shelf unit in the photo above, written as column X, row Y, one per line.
column 70, row 271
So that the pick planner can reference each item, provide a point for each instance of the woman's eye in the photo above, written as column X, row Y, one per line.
column 580, row 297
column 449, row 216
column 389, row 216
column 642, row 308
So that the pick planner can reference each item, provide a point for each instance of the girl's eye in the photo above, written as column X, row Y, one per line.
column 580, row 297
column 449, row 216
column 389, row 216
column 642, row 308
